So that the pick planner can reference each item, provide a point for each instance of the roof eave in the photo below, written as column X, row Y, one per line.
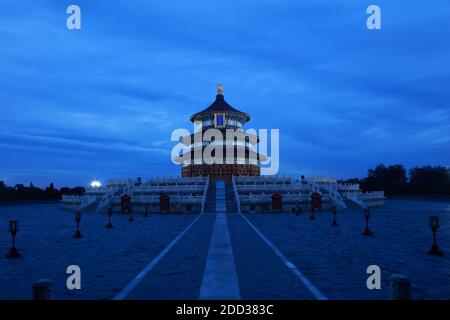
column 218, row 111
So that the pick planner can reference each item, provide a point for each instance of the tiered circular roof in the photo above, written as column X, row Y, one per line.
column 219, row 106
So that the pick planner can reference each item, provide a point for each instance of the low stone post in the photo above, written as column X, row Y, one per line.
column 399, row 287
column 42, row 289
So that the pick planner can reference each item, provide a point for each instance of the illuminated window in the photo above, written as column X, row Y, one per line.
column 219, row 120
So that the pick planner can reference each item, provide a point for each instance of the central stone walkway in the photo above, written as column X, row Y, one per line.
column 220, row 256
column 179, row 274
column 219, row 278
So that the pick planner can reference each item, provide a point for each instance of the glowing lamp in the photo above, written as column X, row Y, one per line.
column 434, row 226
column 434, row 223
column 13, row 227
column 77, row 216
column 367, row 213
column 367, row 231
column 334, row 223
column 96, row 184
column 109, row 212
column 77, row 233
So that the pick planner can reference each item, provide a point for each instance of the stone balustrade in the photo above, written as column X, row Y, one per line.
column 373, row 195
column 272, row 188
column 169, row 189
column 71, row 198
column 348, row 187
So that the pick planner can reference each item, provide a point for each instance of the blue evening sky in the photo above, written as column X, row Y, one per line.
column 102, row 102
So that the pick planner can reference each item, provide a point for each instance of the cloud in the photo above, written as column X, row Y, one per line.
column 104, row 100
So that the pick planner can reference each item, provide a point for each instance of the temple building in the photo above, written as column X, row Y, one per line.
column 238, row 155
column 220, row 172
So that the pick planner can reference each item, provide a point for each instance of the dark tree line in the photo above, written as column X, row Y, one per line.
column 396, row 180
column 22, row 193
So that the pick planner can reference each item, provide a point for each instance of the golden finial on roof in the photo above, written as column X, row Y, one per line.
column 219, row 89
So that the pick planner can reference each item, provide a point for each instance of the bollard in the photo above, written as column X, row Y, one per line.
column 77, row 233
column 399, row 287
column 367, row 231
column 297, row 209
column 109, row 212
column 334, row 223
column 42, row 289
column 130, row 215
column 146, row 210
column 13, row 229
column 434, row 226
column 311, row 217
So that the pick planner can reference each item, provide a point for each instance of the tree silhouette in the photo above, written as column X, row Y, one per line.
column 391, row 179
column 429, row 180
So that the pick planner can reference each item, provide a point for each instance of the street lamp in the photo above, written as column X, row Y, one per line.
column 334, row 223
column 96, row 184
column 109, row 212
column 130, row 215
column 312, row 217
column 77, row 233
column 13, row 229
column 367, row 231
column 434, row 226
column 297, row 209
column 146, row 209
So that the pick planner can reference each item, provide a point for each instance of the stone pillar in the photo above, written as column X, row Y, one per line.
column 42, row 289
column 399, row 287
